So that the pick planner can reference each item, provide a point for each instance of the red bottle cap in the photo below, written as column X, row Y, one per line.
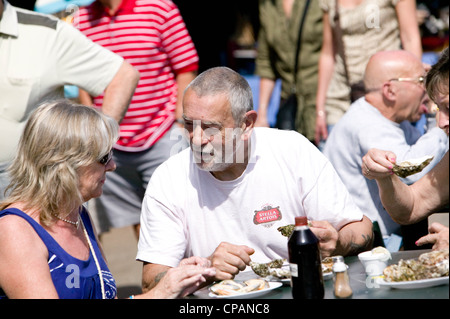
column 301, row 221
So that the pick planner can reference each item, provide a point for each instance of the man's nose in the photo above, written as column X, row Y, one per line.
column 198, row 136
column 443, row 121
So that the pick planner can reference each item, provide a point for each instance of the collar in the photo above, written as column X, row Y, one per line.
column 126, row 6
column 8, row 23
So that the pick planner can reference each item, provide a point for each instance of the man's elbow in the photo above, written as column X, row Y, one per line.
column 130, row 74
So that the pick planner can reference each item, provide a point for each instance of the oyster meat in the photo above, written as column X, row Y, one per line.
column 410, row 167
column 288, row 229
column 327, row 265
column 231, row 287
column 429, row 265
column 272, row 268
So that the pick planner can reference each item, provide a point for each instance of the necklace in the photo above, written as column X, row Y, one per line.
column 76, row 224
column 99, row 270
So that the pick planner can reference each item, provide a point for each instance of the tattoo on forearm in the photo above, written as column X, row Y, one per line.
column 358, row 247
column 159, row 276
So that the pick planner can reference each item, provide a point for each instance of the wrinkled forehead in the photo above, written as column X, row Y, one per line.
column 206, row 108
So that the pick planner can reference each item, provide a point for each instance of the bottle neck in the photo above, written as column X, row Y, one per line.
column 301, row 227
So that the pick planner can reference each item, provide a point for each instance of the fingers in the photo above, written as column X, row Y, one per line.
column 196, row 261
column 438, row 237
column 378, row 164
column 327, row 235
column 229, row 259
column 428, row 239
column 183, row 280
column 436, row 228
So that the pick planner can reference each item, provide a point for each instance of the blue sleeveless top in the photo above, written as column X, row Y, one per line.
column 73, row 278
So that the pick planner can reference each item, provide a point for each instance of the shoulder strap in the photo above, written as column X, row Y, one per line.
column 300, row 31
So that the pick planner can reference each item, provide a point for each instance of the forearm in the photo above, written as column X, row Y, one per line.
column 84, row 97
column 409, row 29
column 326, row 65
column 266, row 87
column 355, row 238
column 119, row 92
column 152, row 275
column 183, row 79
column 397, row 198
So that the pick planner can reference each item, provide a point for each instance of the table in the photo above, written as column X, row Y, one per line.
column 362, row 288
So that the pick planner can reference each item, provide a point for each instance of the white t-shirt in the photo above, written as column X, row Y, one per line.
column 187, row 212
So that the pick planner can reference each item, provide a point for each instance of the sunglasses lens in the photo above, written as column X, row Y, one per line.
column 105, row 159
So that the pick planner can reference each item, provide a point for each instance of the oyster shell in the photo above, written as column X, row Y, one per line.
column 429, row 265
column 413, row 166
column 231, row 287
column 267, row 269
column 288, row 229
column 327, row 265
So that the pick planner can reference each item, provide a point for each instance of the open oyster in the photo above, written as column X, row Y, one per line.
column 413, row 166
column 272, row 268
column 288, row 229
column 429, row 265
column 327, row 265
column 231, row 287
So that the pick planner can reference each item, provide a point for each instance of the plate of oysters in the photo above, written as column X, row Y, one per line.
column 278, row 270
column 251, row 288
column 271, row 269
column 428, row 270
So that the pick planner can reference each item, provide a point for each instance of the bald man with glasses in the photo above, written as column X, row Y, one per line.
column 395, row 98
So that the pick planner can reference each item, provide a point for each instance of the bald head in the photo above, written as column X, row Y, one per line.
column 387, row 65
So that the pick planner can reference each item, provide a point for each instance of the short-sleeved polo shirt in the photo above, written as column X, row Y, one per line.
column 39, row 54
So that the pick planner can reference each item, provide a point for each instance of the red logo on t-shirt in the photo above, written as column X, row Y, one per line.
column 267, row 215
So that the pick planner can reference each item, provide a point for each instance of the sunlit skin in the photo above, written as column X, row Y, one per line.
column 443, row 118
column 92, row 178
column 214, row 138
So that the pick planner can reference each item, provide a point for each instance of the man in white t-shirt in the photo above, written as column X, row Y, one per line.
column 225, row 196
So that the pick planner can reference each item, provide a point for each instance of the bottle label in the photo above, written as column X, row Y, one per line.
column 294, row 270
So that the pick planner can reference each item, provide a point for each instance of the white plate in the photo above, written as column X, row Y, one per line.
column 287, row 281
column 248, row 295
column 414, row 284
column 327, row 275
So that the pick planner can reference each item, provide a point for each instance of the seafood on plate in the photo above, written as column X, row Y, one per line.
column 327, row 265
column 273, row 268
column 231, row 287
column 433, row 264
column 412, row 166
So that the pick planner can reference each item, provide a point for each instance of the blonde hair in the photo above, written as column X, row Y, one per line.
column 58, row 139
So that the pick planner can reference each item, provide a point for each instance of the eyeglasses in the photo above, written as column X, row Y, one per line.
column 420, row 80
column 106, row 159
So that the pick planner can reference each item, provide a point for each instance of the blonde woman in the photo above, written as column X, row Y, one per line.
column 48, row 246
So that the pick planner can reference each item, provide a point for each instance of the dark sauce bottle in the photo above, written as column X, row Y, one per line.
column 305, row 262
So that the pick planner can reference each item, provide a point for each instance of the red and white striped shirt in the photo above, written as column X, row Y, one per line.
column 150, row 35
